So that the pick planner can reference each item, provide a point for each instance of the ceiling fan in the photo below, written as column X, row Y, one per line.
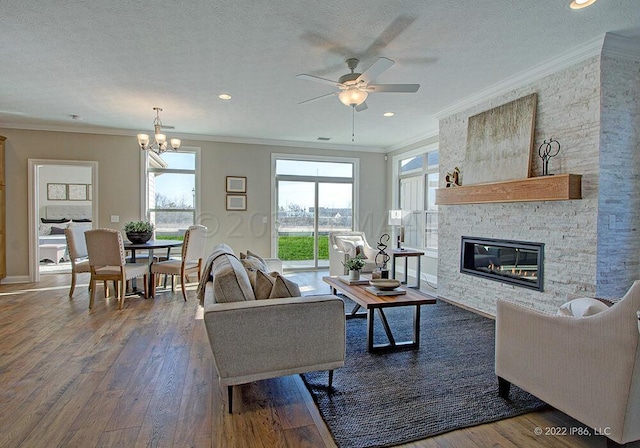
column 355, row 87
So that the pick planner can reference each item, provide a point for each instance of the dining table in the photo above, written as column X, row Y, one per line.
column 149, row 246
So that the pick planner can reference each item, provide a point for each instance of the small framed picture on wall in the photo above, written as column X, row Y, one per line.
column 77, row 192
column 236, row 202
column 57, row 192
column 236, row 184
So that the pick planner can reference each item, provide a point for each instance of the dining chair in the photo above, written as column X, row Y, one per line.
column 78, row 254
column 107, row 262
column 191, row 261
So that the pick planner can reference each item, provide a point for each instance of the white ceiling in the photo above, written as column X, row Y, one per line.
column 111, row 62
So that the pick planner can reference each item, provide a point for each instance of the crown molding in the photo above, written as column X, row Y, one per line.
column 195, row 137
column 564, row 60
column 416, row 140
column 622, row 47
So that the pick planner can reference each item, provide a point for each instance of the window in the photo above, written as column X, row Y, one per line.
column 172, row 180
column 418, row 179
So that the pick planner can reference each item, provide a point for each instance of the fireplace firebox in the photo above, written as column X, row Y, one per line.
column 518, row 263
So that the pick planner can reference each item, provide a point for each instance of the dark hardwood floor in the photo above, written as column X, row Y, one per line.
column 143, row 376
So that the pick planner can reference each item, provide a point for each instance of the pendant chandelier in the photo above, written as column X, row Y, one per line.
column 160, row 143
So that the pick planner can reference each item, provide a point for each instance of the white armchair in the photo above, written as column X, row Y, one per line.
column 587, row 367
column 346, row 244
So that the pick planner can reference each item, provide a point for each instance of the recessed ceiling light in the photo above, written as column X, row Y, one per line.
column 388, row 114
column 579, row 4
column 224, row 96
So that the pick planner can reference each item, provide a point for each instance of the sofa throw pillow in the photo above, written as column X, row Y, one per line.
column 57, row 231
column 581, row 307
column 360, row 251
column 253, row 254
column 263, row 285
column 283, row 287
column 253, row 263
column 349, row 247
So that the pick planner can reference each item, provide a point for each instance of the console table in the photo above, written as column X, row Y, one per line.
column 406, row 253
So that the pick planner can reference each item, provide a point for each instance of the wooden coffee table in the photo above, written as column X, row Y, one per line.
column 371, row 302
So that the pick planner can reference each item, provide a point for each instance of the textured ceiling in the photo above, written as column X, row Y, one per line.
column 111, row 62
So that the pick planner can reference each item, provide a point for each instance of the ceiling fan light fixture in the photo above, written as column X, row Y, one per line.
column 352, row 96
column 579, row 4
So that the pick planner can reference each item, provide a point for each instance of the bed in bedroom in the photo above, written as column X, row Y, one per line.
column 55, row 219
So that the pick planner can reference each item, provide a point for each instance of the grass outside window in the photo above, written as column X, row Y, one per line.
column 300, row 247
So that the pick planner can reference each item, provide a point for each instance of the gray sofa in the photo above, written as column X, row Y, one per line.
column 253, row 339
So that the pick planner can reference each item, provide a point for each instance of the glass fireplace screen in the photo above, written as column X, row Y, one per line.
column 518, row 263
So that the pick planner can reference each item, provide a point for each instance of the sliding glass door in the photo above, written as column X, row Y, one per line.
column 296, row 224
column 309, row 207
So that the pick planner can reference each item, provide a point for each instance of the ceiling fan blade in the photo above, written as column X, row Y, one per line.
column 166, row 126
column 361, row 107
column 326, row 95
column 375, row 70
column 318, row 79
column 401, row 88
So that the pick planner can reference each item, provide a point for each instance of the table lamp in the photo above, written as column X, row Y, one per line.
column 395, row 219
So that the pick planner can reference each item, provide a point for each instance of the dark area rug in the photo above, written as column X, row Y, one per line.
column 391, row 398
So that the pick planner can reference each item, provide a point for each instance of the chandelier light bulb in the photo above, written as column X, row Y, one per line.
column 161, row 139
column 143, row 141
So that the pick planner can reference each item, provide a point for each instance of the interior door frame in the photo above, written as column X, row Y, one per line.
column 34, row 204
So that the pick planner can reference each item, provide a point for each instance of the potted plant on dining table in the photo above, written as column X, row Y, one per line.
column 139, row 232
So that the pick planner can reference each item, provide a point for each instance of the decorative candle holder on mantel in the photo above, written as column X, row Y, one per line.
column 546, row 151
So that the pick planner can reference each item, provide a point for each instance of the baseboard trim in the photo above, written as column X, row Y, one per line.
column 466, row 307
column 15, row 279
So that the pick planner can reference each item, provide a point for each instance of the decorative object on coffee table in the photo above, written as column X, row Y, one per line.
column 382, row 258
column 139, row 232
column 385, row 284
column 354, row 265
column 546, row 151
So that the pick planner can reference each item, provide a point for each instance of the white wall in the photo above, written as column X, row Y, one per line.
column 61, row 174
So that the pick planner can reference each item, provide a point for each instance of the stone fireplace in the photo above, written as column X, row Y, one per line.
column 591, row 245
column 518, row 263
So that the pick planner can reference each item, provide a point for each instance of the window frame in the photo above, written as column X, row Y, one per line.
column 144, row 175
column 423, row 173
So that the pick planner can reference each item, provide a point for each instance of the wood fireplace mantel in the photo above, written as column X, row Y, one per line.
column 559, row 187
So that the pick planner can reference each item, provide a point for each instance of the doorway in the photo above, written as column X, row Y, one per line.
column 61, row 193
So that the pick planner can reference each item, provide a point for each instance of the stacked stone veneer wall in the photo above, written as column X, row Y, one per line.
column 618, row 262
column 569, row 111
